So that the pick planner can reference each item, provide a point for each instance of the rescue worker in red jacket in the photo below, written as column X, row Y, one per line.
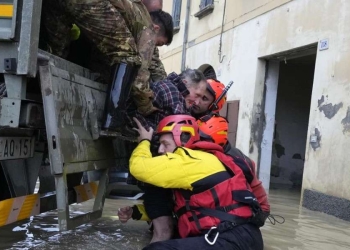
column 214, row 128
column 213, row 201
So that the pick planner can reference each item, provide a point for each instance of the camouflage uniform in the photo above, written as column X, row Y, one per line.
column 123, row 31
column 157, row 69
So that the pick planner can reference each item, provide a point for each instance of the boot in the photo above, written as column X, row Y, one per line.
column 118, row 93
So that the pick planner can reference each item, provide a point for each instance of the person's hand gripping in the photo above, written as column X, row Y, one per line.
column 143, row 133
column 124, row 214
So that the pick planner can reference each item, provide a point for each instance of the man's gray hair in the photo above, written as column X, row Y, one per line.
column 193, row 76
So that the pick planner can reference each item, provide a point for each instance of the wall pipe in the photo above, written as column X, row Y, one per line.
column 185, row 40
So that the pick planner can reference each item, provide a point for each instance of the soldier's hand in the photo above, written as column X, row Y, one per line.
column 144, row 102
column 147, row 110
column 153, row 109
column 124, row 214
column 143, row 133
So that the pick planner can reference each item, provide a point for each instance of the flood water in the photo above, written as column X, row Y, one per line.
column 303, row 229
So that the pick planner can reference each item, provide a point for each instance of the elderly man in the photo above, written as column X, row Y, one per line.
column 176, row 94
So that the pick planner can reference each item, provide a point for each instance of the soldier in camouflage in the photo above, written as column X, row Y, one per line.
column 126, row 34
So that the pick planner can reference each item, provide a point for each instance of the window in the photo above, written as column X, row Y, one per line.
column 230, row 111
column 205, row 3
column 205, row 8
column 176, row 14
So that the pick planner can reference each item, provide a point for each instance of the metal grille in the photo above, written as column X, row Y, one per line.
column 209, row 73
column 205, row 3
column 176, row 12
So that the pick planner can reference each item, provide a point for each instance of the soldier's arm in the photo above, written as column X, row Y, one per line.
column 141, row 92
column 156, row 69
column 106, row 26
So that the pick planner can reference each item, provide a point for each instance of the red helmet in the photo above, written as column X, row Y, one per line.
column 214, row 128
column 216, row 88
column 178, row 125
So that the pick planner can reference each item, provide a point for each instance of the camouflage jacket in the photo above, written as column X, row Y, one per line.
column 151, row 68
column 122, row 30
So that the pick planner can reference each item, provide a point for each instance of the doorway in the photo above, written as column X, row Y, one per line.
column 289, row 84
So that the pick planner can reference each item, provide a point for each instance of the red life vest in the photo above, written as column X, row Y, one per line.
column 230, row 200
column 249, row 173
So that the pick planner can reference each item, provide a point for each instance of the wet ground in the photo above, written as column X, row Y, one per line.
column 303, row 229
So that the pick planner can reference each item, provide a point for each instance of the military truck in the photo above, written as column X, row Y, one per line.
column 50, row 119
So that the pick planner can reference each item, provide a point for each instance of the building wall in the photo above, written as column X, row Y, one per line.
column 237, row 12
column 263, row 28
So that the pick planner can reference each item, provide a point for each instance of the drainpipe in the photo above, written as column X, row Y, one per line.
column 221, row 58
column 184, row 45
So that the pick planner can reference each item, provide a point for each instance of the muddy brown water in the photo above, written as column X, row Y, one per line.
column 303, row 229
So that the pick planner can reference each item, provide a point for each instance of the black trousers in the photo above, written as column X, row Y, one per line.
column 243, row 237
column 157, row 201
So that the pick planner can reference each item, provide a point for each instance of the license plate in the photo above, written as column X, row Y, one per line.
column 16, row 147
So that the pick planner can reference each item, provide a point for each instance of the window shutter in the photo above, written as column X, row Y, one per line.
column 176, row 12
column 205, row 3
column 230, row 112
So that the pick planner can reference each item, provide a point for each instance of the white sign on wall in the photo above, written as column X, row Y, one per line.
column 324, row 44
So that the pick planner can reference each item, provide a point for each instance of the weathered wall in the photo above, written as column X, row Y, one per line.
column 286, row 27
column 200, row 30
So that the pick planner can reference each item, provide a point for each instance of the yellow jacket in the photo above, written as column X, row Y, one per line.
column 173, row 170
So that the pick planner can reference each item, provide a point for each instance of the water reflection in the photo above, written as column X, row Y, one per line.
column 303, row 229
